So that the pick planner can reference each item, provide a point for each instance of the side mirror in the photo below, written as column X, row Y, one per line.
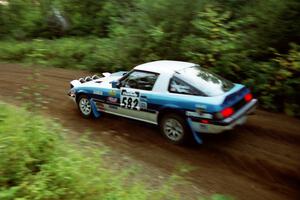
column 115, row 84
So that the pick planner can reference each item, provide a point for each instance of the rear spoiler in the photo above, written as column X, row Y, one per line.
column 235, row 96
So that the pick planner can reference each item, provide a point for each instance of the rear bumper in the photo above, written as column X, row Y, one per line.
column 239, row 118
column 245, row 110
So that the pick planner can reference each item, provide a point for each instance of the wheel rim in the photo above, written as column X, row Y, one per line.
column 85, row 106
column 173, row 129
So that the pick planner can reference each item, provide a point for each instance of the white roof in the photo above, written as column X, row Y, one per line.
column 164, row 66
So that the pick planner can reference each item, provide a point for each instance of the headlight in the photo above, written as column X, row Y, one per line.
column 71, row 93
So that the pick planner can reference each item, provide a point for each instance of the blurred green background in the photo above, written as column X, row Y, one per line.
column 254, row 42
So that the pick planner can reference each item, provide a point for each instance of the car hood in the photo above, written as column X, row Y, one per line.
column 99, row 82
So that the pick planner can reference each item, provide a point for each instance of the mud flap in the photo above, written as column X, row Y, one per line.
column 195, row 133
column 96, row 113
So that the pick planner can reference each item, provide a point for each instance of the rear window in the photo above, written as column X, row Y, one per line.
column 207, row 82
column 180, row 87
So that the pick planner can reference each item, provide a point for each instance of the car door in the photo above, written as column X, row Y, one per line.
column 133, row 96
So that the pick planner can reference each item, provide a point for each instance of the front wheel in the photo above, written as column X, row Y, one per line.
column 84, row 106
column 174, row 128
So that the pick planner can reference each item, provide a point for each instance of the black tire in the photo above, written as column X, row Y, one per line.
column 169, row 130
column 84, row 101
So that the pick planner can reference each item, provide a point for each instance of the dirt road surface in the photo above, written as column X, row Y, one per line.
column 260, row 160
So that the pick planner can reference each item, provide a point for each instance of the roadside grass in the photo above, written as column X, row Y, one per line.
column 38, row 161
column 88, row 53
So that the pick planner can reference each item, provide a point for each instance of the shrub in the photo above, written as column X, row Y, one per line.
column 277, row 82
column 216, row 42
column 79, row 53
column 38, row 162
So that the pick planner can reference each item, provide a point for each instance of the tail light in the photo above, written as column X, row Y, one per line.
column 227, row 112
column 248, row 97
column 204, row 121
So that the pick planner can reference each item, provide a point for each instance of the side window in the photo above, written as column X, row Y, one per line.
column 178, row 86
column 140, row 80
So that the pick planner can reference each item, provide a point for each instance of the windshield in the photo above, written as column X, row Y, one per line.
column 207, row 82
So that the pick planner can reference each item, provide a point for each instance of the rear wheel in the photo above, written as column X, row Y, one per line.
column 174, row 128
column 84, row 106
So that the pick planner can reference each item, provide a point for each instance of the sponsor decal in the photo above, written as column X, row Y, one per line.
column 200, row 106
column 100, row 106
column 100, row 100
column 206, row 115
column 203, row 127
column 201, row 109
column 112, row 93
column 98, row 92
column 130, row 93
column 113, row 106
column 112, row 99
column 143, row 105
column 200, row 115
column 130, row 98
column 192, row 114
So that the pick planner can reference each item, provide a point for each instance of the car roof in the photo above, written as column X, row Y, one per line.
column 164, row 66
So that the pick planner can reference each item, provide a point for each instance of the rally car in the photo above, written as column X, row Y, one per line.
column 183, row 99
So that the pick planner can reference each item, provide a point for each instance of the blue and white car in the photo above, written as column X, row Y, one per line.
column 183, row 99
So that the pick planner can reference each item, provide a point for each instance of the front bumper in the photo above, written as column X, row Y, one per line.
column 239, row 118
column 72, row 95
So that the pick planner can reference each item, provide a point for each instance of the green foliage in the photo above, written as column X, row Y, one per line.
column 277, row 82
column 79, row 53
column 38, row 162
column 235, row 38
column 218, row 197
column 276, row 23
column 215, row 41
column 152, row 31
column 20, row 19
column 85, row 16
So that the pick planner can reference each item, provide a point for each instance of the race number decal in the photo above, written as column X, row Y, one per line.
column 130, row 98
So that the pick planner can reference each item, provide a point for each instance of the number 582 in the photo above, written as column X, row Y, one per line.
column 129, row 102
